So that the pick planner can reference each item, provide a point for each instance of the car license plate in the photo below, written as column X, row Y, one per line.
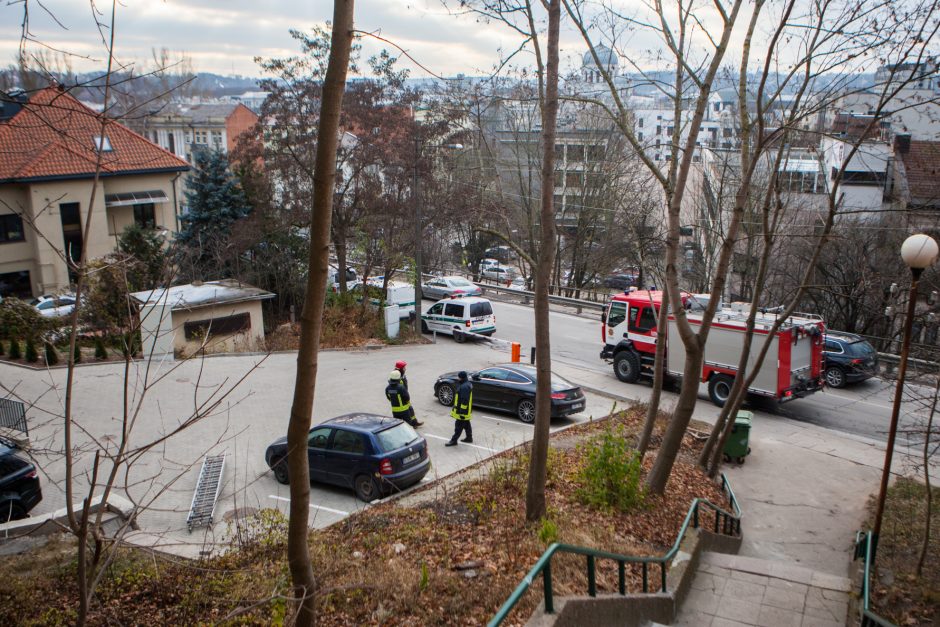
column 412, row 458
column 577, row 407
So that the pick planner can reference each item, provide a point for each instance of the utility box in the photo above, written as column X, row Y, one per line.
column 392, row 321
column 737, row 445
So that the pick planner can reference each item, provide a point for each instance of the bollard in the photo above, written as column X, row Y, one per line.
column 516, row 352
column 532, row 355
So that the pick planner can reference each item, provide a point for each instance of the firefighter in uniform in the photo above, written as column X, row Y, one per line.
column 463, row 406
column 400, row 367
column 398, row 396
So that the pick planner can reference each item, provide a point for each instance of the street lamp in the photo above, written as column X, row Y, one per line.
column 918, row 252
column 418, row 220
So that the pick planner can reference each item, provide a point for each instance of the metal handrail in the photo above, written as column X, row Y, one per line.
column 864, row 547
column 730, row 525
column 561, row 300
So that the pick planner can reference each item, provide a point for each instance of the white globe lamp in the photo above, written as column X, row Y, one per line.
column 919, row 251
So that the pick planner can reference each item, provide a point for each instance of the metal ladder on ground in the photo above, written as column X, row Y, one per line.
column 208, row 486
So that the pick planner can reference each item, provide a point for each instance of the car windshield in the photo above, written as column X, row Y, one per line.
column 460, row 282
column 480, row 309
column 399, row 436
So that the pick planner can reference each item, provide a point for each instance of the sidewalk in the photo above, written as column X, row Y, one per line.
column 803, row 493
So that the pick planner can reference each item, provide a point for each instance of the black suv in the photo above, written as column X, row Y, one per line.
column 19, row 483
column 848, row 359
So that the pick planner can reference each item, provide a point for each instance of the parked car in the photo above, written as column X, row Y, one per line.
column 460, row 316
column 488, row 263
column 511, row 388
column 19, row 483
column 396, row 293
column 50, row 306
column 501, row 253
column 447, row 286
column 620, row 281
column 500, row 274
column 374, row 455
column 848, row 359
column 352, row 277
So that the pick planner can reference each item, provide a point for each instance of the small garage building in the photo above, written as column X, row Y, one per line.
column 211, row 317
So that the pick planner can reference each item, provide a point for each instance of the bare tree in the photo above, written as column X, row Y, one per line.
column 322, row 178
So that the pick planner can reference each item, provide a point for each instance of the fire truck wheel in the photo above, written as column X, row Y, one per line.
column 719, row 389
column 835, row 377
column 627, row 366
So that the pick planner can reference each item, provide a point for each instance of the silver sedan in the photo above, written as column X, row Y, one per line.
column 447, row 286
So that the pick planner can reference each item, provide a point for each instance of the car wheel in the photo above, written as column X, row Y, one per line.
column 526, row 410
column 835, row 377
column 719, row 389
column 11, row 511
column 280, row 472
column 459, row 336
column 445, row 395
column 627, row 366
column 366, row 488
column 424, row 327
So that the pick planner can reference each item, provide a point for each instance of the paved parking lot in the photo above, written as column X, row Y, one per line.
column 254, row 413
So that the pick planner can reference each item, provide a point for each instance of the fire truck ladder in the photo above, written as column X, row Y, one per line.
column 207, row 492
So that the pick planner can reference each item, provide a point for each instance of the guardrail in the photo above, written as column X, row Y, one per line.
column 864, row 547
column 725, row 523
column 558, row 300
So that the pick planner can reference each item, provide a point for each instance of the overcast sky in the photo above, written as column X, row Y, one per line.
column 224, row 36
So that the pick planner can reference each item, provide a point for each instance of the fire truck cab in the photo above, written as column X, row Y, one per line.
column 791, row 369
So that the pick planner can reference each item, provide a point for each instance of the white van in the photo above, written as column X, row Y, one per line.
column 460, row 316
column 396, row 293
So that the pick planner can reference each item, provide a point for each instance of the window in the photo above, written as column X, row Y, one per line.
column 478, row 310
column 145, row 216
column 102, row 143
column 201, row 137
column 560, row 151
column 717, row 106
column 436, row 283
column 216, row 138
column 436, row 310
column 573, row 179
column 11, row 228
column 319, row 437
column 669, row 130
column 659, row 130
column 454, row 310
column 493, row 374
column 16, row 284
column 642, row 319
column 348, row 442
column 639, row 122
column 833, row 347
column 515, row 377
column 640, row 136
column 225, row 325
column 575, row 153
column 617, row 314
column 399, row 436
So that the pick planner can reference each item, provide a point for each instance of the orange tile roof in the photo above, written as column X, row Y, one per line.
column 52, row 137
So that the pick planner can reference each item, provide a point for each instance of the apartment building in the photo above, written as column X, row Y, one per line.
column 183, row 127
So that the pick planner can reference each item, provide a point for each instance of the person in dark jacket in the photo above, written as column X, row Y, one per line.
column 400, row 367
column 398, row 396
column 463, row 406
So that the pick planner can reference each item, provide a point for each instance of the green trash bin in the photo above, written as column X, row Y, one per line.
column 736, row 446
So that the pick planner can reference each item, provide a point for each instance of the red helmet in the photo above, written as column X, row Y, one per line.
column 400, row 365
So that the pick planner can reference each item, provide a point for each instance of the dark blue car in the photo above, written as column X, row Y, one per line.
column 374, row 455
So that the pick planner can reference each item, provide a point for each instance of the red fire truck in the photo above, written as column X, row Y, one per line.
column 792, row 368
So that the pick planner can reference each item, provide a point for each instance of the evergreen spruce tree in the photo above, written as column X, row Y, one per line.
column 78, row 353
column 15, row 349
column 31, row 355
column 52, row 357
column 100, row 351
column 215, row 201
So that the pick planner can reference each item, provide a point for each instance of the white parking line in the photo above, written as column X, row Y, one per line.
column 437, row 437
column 324, row 508
column 505, row 421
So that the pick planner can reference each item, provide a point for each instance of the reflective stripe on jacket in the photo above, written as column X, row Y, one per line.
column 398, row 397
column 463, row 402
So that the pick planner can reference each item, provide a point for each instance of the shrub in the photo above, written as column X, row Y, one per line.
column 15, row 349
column 2, row 352
column 31, row 355
column 610, row 477
column 77, row 355
column 52, row 357
column 100, row 351
column 548, row 532
column 19, row 319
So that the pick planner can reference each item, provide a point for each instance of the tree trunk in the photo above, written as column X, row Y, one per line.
column 535, row 491
column 653, row 409
column 324, row 174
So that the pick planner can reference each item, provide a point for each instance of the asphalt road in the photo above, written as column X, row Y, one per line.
column 862, row 409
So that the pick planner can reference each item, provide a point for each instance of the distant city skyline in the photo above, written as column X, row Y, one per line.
column 225, row 40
